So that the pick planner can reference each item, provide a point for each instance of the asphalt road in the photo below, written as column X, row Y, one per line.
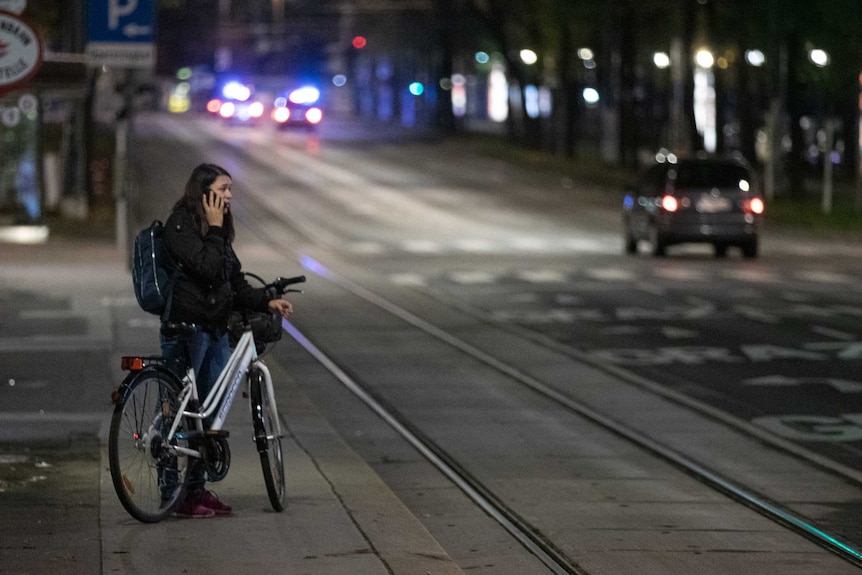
column 751, row 366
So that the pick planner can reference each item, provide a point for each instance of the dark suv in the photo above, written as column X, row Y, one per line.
column 703, row 199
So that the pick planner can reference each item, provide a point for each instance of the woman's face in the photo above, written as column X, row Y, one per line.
column 222, row 186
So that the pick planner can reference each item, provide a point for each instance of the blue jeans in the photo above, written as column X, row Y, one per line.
column 208, row 354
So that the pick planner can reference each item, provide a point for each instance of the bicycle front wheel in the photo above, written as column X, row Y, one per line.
column 148, row 474
column 263, row 415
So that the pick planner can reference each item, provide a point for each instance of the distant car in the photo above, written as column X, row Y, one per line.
column 237, row 104
column 298, row 108
column 700, row 199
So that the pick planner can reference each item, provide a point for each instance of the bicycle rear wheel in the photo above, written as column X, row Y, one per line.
column 147, row 475
column 263, row 415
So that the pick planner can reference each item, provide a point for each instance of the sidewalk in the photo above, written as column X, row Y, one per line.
column 67, row 312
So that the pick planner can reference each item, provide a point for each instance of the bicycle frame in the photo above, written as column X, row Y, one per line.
column 220, row 398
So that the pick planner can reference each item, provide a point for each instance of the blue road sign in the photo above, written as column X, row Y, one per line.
column 120, row 21
column 120, row 33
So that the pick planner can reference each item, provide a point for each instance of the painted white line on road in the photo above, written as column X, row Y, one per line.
column 611, row 274
column 833, row 333
column 407, row 279
column 541, row 276
column 823, row 277
column 470, row 278
column 422, row 247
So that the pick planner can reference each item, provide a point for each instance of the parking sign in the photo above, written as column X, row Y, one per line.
column 120, row 33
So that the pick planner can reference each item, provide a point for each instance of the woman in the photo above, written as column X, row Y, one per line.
column 208, row 285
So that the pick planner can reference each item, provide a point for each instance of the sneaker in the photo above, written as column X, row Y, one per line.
column 191, row 508
column 210, row 500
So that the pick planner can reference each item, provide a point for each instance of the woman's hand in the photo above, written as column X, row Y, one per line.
column 213, row 208
column 281, row 307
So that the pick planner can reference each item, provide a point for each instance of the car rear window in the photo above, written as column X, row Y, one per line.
column 710, row 175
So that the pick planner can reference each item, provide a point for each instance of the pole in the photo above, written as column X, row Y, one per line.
column 829, row 144
column 121, row 146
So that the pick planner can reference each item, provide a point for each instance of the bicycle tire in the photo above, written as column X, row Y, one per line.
column 137, row 453
column 268, row 443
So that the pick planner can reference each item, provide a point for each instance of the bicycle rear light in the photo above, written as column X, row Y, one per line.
column 131, row 363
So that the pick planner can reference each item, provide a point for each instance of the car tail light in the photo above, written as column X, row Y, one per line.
column 281, row 115
column 227, row 110
column 314, row 115
column 255, row 110
column 669, row 203
column 755, row 206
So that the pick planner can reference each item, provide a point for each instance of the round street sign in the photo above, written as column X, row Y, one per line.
column 20, row 51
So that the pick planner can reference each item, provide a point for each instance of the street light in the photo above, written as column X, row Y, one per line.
column 818, row 57
column 704, row 58
column 755, row 58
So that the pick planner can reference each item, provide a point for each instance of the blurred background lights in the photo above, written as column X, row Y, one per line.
column 591, row 96
column 482, row 57
column 236, row 91
column 704, row 58
column 304, row 95
column 184, row 73
column 339, row 80
column 585, row 54
column 755, row 58
column 498, row 94
column 416, row 88
column 661, row 60
column 529, row 57
column 819, row 57
column 531, row 101
column 359, row 42
column 459, row 95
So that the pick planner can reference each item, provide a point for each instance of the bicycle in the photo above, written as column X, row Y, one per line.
column 157, row 428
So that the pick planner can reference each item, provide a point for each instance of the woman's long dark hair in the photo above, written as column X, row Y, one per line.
column 201, row 179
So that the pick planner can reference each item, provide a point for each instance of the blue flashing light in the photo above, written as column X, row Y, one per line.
column 306, row 95
column 236, row 91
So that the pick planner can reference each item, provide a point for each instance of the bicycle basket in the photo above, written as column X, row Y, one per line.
column 265, row 326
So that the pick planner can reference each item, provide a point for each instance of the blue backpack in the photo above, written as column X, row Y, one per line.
column 153, row 270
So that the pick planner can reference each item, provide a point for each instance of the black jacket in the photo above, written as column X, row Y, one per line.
column 210, row 282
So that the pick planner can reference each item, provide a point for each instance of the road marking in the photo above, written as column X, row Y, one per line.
column 842, row 385
column 754, row 313
column 368, row 248
column 542, row 276
column 833, row 333
column 475, row 245
column 611, row 274
column 813, row 427
column 422, row 247
column 678, row 333
column 407, row 279
column 473, row 277
column 823, row 277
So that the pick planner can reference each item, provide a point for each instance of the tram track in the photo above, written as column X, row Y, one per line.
column 522, row 530
column 525, row 533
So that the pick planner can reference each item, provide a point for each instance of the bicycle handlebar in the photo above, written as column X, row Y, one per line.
column 280, row 284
